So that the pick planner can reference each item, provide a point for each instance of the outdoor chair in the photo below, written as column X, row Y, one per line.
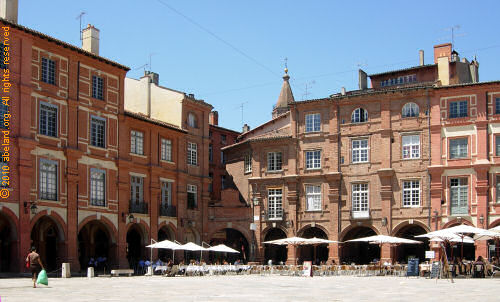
column 478, row 270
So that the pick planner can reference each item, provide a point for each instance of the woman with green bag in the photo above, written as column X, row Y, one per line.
column 35, row 265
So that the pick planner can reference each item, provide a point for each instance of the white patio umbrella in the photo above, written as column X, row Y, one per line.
column 190, row 246
column 294, row 241
column 381, row 239
column 317, row 241
column 222, row 248
column 165, row 244
column 457, row 239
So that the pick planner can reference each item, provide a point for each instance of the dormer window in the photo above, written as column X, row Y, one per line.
column 410, row 110
column 192, row 120
column 359, row 115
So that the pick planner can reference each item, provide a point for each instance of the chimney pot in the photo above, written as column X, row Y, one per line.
column 363, row 82
column 342, row 91
column 421, row 57
column 246, row 128
column 90, row 39
column 9, row 10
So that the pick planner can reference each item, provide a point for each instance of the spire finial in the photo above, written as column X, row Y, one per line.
column 286, row 65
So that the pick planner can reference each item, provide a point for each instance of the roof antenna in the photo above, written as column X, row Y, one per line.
column 150, row 55
column 80, row 16
column 241, row 107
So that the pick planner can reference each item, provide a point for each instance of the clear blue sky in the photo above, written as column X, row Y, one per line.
column 325, row 42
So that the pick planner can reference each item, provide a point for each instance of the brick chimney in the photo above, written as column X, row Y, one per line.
column 9, row 10
column 213, row 118
column 442, row 50
column 246, row 128
column 421, row 57
column 363, row 81
column 90, row 41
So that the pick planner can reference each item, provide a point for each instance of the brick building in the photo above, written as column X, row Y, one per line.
column 360, row 163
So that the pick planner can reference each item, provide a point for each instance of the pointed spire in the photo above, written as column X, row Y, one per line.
column 286, row 96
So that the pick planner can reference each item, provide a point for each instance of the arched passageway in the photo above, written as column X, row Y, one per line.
column 191, row 235
column 235, row 240
column 316, row 254
column 136, row 245
column 47, row 237
column 165, row 233
column 8, row 244
column 405, row 251
column 276, row 253
column 359, row 252
column 96, row 246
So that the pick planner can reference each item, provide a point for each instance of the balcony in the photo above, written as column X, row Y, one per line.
column 139, row 207
column 168, row 210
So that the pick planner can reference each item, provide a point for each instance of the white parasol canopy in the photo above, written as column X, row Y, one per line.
column 380, row 239
column 456, row 239
column 487, row 235
column 165, row 244
column 190, row 246
column 287, row 241
column 222, row 248
column 315, row 241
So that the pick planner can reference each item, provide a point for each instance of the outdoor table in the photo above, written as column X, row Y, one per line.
column 424, row 268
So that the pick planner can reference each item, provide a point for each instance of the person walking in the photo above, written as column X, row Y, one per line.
column 35, row 264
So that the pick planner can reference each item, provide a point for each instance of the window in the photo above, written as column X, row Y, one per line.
column 97, row 187
column 411, row 146
column 274, row 161
column 359, row 115
column 3, row 64
column 48, row 179
column 136, row 189
column 4, row 109
column 497, row 105
column 136, row 142
column 4, row 168
column 313, row 198
column 275, row 206
column 410, row 110
column 192, row 156
column 191, row 197
column 411, row 193
column 98, row 132
column 498, row 189
column 166, row 149
column 458, row 148
column 223, row 139
column 359, row 150
column 97, row 87
column 360, row 200
column 210, row 153
column 222, row 159
column 497, row 145
column 166, row 193
column 48, row 71
column 192, row 120
column 459, row 196
column 458, row 109
column 223, row 181
column 313, row 122
column 313, row 159
column 48, row 119
column 412, row 78
column 211, row 184
column 248, row 163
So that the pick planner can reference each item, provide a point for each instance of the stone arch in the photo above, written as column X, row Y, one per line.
column 308, row 226
column 494, row 223
column 358, row 252
column 113, row 232
column 316, row 254
column 238, row 228
column 233, row 238
column 8, row 241
column 143, row 227
column 353, row 226
column 276, row 253
column 267, row 229
column 409, row 231
column 59, row 222
column 455, row 222
column 403, row 224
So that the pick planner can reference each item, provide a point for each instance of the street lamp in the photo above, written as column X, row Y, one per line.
column 481, row 219
column 31, row 205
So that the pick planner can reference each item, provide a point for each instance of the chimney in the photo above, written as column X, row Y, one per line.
column 246, row 128
column 363, row 84
column 191, row 95
column 342, row 91
column 9, row 10
column 213, row 118
column 153, row 77
column 442, row 50
column 474, row 71
column 90, row 39
column 421, row 57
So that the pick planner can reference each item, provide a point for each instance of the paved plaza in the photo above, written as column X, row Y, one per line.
column 251, row 288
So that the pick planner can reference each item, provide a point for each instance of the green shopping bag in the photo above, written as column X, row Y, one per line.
column 42, row 278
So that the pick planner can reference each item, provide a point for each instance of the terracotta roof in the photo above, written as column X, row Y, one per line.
column 467, row 84
column 226, row 129
column 262, row 125
column 257, row 139
column 402, row 70
column 286, row 94
column 146, row 118
column 64, row 44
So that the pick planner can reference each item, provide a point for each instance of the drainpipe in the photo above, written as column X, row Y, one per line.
column 429, row 178
column 339, row 207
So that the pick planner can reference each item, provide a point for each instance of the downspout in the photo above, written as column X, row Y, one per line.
column 297, row 154
column 77, row 135
column 430, row 162
column 339, row 206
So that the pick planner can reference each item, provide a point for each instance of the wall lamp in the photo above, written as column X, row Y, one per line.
column 384, row 221
column 130, row 217
column 255, row 201
column 481, row 219
column 31, row 205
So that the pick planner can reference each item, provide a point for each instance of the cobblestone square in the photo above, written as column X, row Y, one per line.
column 251, row 288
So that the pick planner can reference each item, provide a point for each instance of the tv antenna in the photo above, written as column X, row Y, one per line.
column 454, row 34
column 307, row 87
column 241, row 106
column 150, row 55
column 80, row 16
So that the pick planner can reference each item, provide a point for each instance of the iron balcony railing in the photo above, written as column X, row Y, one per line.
column 138, row 207
column 168, row 210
